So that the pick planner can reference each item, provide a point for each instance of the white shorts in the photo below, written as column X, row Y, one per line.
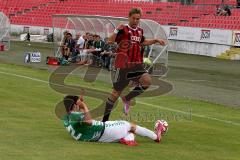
column 83, row 55
column 115, row 130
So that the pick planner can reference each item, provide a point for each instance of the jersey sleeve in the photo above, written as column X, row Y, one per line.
column 80, row 41
column 119, row 36
column 77, row 116
column 143, row 37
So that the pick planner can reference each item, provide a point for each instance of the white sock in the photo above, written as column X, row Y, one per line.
column 145, row 133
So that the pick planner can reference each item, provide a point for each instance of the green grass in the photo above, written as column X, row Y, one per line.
column 31, row 131
column 195, row 77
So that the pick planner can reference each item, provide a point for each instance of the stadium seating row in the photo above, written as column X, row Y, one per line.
column 166, row 13
column 216, row 2
column 14, row 6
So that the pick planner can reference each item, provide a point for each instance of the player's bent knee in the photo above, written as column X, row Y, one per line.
column 115, row 94
column 146, row 81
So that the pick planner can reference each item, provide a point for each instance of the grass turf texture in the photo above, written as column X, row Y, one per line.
column 198, row 129
column 30, row 129
column 197, row 77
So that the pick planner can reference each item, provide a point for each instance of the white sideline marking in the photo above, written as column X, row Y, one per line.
column 34, row 79
column 140, row 102
column 26, row 77
column 192, row 80
column 187, row 113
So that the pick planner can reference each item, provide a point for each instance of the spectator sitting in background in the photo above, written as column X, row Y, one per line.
column 108, row 54
column 218, row 10
column 225, row 12
column 81, row 46
column 87, row 34
column 70, row 46
column 95, row 37
column 86, row 48
column 98, row 45
column 90, row 42
column 76, row 48
column 80, row 42
column 63, row 43
column 228, row 11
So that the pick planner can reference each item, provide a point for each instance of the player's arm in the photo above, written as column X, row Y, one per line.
column 81, row 44
column 77, row 45
column 87, row 117
column 148, row 42
column 113, row 37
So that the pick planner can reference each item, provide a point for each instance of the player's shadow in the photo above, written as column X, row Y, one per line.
column 57, row 83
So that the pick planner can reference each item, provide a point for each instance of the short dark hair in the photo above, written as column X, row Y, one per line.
column 69, row 102
column 66, row 31
column 135, row 11
column 69, row 34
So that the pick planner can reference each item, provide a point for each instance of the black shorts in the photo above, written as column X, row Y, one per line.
column 122, row 76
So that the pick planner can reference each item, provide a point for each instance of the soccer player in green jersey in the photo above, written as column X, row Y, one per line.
column 82, row 127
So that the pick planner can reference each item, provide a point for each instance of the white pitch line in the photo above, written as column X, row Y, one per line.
column 140, row 102
column 26, row 77
column 35, row 79
column 187, row 113
column 192, row 80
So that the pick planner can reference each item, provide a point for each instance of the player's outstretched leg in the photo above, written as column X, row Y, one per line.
column 160, row 128
column 110, row 104
column 123, row 132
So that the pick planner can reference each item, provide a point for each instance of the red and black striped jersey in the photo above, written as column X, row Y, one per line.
column 130, row 49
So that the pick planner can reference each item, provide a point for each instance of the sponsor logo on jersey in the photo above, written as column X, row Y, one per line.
column 136, row 38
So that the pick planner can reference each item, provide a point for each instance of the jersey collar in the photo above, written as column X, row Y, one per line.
column 131, row 27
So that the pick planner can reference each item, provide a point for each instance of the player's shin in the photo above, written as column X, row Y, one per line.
column 108, row 109
column 135, row 92
column 141, row 131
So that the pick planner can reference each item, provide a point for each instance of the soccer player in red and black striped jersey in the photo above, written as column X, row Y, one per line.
column 129, row 61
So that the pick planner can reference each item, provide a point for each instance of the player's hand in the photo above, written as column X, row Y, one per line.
column 161, row 42
column 120, row 26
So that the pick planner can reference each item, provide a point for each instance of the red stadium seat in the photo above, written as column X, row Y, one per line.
column 163, row 12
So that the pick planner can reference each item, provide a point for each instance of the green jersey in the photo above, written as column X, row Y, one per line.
column 99, row 44
column 82, row 131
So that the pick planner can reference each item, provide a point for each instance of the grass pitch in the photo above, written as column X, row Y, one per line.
column 199, row 129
